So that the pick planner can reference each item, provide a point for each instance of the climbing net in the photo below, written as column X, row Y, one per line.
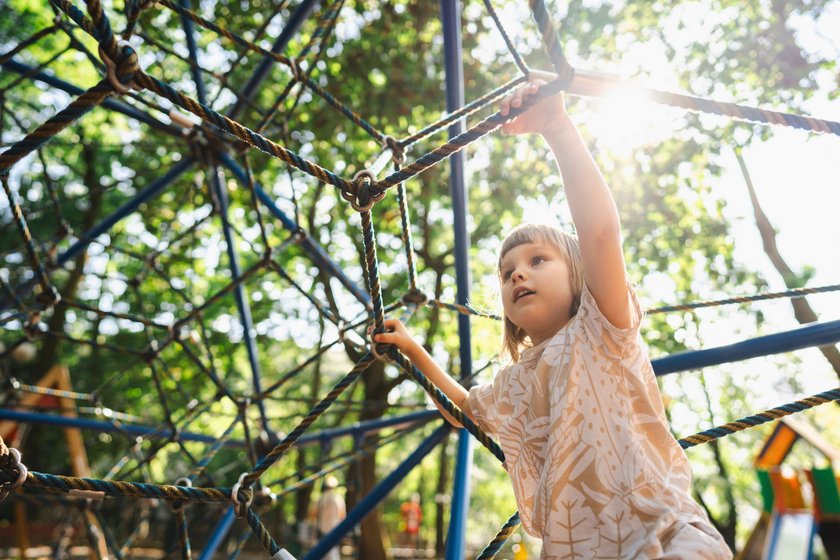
column 178, row 335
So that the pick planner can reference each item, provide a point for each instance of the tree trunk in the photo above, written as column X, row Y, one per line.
column 48, row 353
column 801, row 309
column 440, row 505
column 371, row 544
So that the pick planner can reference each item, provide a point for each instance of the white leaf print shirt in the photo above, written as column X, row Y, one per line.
column 595, row 471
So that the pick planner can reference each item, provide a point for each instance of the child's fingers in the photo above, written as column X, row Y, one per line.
column 504, row 108
column 386, row 338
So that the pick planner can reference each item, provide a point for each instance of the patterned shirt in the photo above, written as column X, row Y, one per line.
column 596, row 472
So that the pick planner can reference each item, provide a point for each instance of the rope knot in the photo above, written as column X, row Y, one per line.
column 121, row 72
column 365, row 195
column 414, row 297
column 380, row 350
column 12, row 472
column 297, row 69
column 397, row 149
column 179, row 505
column 49, row 298
column 241, row 497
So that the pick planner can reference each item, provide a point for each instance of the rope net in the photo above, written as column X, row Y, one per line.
column 171, row 295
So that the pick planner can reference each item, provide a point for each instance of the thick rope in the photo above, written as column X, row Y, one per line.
column 372, row 272
column 408, row 241
column 283, row 447
column 183, row 534
column 329, row 98
column 116, row 488
column 372, row 275
column 325, row 26
column 140, row 79
column 493, row 548
column 23, row 45
column 516, row 56
column 41, row 135
column 49, row 294
column 464, row 111
column 261, row 533
column 461, row 141
column 463, row 309
column 201, row 465
column 793, row 294
column 447, row 405
column 744, row 113
column 760, row 418
column 551, row 42
column 37, row 389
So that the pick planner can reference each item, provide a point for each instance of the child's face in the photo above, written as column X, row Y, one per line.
column 536, row 289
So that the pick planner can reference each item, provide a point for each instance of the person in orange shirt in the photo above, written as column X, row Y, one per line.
column 411, row 514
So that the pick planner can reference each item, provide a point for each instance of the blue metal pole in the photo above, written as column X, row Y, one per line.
column 379, row 492
column 451, row 16
column 219, row 533
column 128, row 208
column 315, row 251
column 109, row 103
column 218, row 185
column 152, row 190
column 192, row 48
column 815, row 334
column 370, row 426
column 292, row 25
column 150, row 432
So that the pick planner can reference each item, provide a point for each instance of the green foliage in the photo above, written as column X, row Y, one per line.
column 167, row 262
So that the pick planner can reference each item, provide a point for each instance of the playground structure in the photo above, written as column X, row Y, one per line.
column 187, row 335
column 790, row 522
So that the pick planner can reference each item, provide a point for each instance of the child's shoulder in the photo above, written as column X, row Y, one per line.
column 590, row 315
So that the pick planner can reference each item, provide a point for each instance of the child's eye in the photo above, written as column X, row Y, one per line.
column 506, row 274
column 537, row 260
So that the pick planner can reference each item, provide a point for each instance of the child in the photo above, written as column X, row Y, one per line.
column 595, row 471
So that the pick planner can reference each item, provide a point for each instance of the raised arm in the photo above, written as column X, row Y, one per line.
column 402, row 339
column 590, row 201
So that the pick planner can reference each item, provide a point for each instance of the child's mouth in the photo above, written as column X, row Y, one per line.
column 522, row 295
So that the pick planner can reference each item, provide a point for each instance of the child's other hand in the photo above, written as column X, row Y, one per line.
column 399, row 336
column 542, row 118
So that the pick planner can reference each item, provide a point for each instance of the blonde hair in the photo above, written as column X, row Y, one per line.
column 516, row 339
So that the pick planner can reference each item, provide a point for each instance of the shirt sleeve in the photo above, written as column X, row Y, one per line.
column 481, row 405
column 598, row 326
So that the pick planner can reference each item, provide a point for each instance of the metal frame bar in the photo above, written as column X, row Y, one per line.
column 218, row 534
column 451, row 16
column 815, row 334
column 151, row 433
column 217, row 183
column 192, row 48
column 377, row 494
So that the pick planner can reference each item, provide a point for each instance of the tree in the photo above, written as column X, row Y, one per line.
column 384, row 60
